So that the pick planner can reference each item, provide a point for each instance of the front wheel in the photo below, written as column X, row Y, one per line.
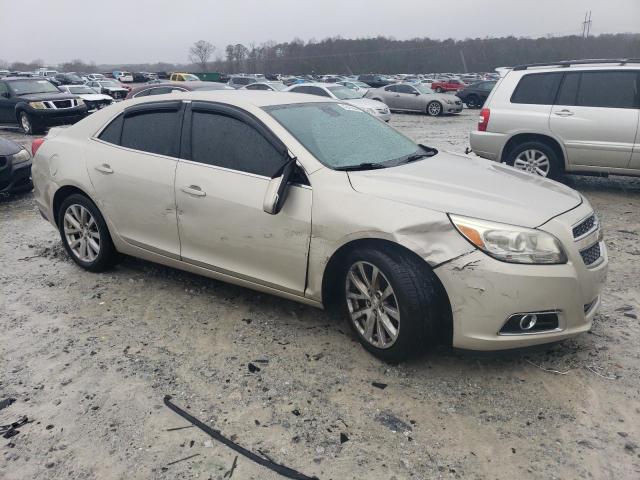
column 434, row 109
column 439, row 90
column 473, row 102
column 85, row 235
column 391, row 303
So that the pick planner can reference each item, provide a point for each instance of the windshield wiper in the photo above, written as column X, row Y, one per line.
column 428, row 152
column 361, row 166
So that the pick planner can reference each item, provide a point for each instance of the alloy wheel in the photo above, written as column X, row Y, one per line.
column 533, row 161
column 25, row 123
column 81, row 233
column 373, row 305
column 434, row 109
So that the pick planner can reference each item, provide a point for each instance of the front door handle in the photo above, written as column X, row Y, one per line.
column 194, row 190
column 564, row 113
column 104, row 168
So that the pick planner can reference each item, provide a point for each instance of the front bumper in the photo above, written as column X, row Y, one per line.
column 452, row 108
column 485, row 292
column 15, row 178
column 52, row 117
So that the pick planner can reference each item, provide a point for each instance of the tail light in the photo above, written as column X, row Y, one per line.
column 483, row 121
column 35, row 145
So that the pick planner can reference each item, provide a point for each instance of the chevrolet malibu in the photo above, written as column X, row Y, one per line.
column 316, row 201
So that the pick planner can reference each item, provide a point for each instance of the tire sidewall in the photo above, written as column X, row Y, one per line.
column 106, row 255
column 29, row 119
column 555, row 169
column 412, row 330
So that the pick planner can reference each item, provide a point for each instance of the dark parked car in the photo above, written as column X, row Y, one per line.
column 15, row 168
column 476, row 94
column 141, row 77
column 35, row 104
column 374, row 81
column 66, row 79
column 168, row 87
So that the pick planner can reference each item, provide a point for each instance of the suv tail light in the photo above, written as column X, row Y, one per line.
column 35, row 145
column 483, row 121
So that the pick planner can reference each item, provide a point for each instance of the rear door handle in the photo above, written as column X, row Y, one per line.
column 104, row 168
column 564, row 113
column 194, row 190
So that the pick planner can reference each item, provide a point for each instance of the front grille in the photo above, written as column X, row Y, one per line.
column 591, row 254
column 458, row 102
column 63, row 103
column 585, row 226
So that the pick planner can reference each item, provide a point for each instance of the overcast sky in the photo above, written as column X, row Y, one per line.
column 141, row 31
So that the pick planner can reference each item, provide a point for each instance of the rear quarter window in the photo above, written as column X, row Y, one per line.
column 537, row 89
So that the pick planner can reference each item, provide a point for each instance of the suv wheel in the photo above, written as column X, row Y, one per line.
column 434, row 109
column 27, row 124
column 537, row 158
column 391, row 303
column 85, row 235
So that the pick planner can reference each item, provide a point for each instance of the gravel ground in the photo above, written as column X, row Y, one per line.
column 89, row 357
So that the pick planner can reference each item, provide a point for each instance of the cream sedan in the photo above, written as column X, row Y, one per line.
column 314, row 200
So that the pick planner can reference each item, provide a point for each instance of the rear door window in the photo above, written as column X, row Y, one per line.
column 227, row 142
column 405, row 89
column 153, row 131
column 608, row 89
column 537, row 89
column 568, row 89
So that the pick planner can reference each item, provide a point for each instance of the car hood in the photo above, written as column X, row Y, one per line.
column 8, row 147
column 92, row 97
column 365, row 103
column 469, row 186
column 38, row 97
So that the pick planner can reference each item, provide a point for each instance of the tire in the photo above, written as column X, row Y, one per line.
column 473, row 101
column 28, row 125
column 95, row 231
column 439, row 90
column 415, row 298
column 541, row 160
column 434, row 109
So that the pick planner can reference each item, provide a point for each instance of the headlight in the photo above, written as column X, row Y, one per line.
column 37, row 105
column 372, row 111
column 80, row 101
column 450, row 102
column 22, row 156
column 509, row 243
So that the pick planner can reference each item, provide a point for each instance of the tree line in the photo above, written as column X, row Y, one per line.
column 378, row 55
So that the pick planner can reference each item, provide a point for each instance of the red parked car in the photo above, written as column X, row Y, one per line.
column 448, row 85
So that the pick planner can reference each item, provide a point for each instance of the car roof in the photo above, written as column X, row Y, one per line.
column 239, row 98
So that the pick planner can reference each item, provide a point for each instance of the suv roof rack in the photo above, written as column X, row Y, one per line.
column 588, row 61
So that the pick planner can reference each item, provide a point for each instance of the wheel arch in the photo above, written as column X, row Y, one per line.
column 63, row 193
column 519, row 138
column 331, row 282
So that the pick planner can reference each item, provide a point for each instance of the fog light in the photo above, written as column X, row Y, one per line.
column 530, row 323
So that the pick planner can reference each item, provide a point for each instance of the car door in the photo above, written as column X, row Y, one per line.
column 407, row 98
column 132, row 165
column 391, row 97
column 7, row 105
column 220, row 188
column 596, row 116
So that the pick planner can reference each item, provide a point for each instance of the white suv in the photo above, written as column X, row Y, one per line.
column 577, row 117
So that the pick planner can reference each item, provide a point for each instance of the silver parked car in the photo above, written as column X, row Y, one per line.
column 314, row 200
column 416, row 98
column 580, row 116
column 339, row 92
column 266, row 86
column 360, row 88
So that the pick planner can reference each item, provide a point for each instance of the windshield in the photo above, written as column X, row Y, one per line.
column 277, row 85
column 343, row 93
column 342, row 136
column 109, row 83
column 25, row 87
column 81, row 89
column 189, row 77
column 423, row 89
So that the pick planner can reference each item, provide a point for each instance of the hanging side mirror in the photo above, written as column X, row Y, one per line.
column 276, row 193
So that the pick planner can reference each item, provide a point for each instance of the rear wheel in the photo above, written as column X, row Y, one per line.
column 85, row 235
column 434, row 109
column 391, row 303
column 473, row 102
column 537, row 158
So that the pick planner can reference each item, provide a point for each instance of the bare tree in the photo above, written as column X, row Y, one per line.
column 200, row 53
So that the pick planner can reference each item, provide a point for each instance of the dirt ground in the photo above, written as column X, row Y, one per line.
column 89, row 358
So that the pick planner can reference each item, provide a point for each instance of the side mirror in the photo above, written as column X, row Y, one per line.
column 416, row 93
column 276, row 192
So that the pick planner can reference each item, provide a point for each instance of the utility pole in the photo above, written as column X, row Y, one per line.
column 464, row 63
column 586, row 25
